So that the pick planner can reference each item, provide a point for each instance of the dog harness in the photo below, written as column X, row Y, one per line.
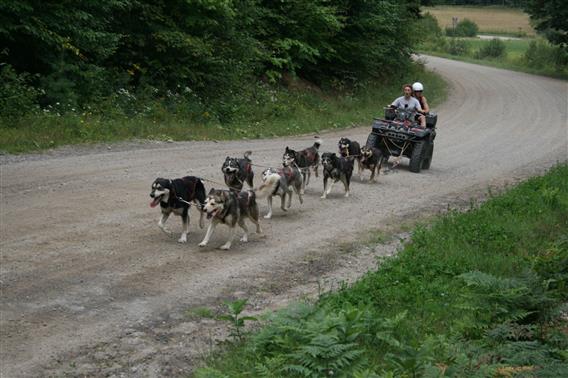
column 226, row 211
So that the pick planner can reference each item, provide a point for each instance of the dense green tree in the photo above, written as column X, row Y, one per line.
column 550, row 17
column 80, row 52
column 376, row 38
column 296, row 34
column 65, row 42
column 202, row 45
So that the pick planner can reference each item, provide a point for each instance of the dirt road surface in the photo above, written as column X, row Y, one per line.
column 90, row 286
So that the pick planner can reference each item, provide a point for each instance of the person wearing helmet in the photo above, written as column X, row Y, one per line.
column 407, row 102
column 417, row 90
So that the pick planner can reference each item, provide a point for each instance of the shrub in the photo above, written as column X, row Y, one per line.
column 494, row 49
column 17, row 97
column 428, row 27
column 464, row 28
column 429, row 33
column 541, row 54
column 457, row 47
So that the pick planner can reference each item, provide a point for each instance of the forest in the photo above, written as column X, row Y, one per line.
column 82, row 53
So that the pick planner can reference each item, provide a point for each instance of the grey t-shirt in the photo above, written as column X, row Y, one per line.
column 411, row 104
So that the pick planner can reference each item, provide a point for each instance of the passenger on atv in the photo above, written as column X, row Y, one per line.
column 417, row 92
column 409, row 104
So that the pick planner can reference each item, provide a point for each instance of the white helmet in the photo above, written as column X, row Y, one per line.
column 417, row 86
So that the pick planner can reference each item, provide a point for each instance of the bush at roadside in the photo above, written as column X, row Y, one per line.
column 17, row 97
column 457, row 46
column 464, row 28
column 494, row 49
column 541, row 54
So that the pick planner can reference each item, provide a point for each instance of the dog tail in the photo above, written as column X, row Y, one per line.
column 247, row 154
column 318, row 142
column 200, row 193
column 268, row 186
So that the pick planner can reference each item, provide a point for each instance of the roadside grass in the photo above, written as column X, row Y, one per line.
column 481, row 293
column 491, row 19
column 514, row 58
column 287, row 112
column 200, row 313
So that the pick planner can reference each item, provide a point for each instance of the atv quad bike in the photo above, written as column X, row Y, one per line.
column 399, row 134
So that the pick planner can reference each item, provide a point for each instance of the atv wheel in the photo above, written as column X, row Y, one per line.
column 373, row 140
column 428, row 158
column 417, row 156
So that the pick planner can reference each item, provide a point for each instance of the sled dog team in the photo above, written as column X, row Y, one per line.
column 231, row 207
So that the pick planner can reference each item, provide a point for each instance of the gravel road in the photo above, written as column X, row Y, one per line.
column 89, row 283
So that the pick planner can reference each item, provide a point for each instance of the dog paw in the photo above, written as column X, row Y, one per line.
column 323, row 197
column 346, row 194
column 202, row 244
column 244, row 239
column 182, row 240
column 225, row 246
column 166, row 231
column 268, row 216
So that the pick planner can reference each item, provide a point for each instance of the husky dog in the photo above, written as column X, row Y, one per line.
column 304, row 159
column 175, row 196
column 351, row 148
column 371, row 159
column 281, row 182
column 237, row 171
column 337, row 169
column 230, row 208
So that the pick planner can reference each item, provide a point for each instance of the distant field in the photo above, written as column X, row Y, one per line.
column 489, row 19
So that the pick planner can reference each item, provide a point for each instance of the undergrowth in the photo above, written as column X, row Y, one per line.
column 260, row 111
column 476, row 294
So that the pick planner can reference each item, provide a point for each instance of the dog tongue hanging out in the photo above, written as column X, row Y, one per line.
column 155, row 202
column 175, row 196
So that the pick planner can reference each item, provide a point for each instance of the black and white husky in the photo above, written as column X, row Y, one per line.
column 281, row 182
column 305, row 159
column 175, row 196
column 236, row 171
column 337, row 169
column 230, row 208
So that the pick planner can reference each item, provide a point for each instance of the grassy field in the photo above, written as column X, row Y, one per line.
column 515, row 48
column 514, row 58
column 532, row 54
column 491, row 20
column 475, row 294
column 287, row 112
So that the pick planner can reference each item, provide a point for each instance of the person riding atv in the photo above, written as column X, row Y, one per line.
column 409, row 103
column 417, row 92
